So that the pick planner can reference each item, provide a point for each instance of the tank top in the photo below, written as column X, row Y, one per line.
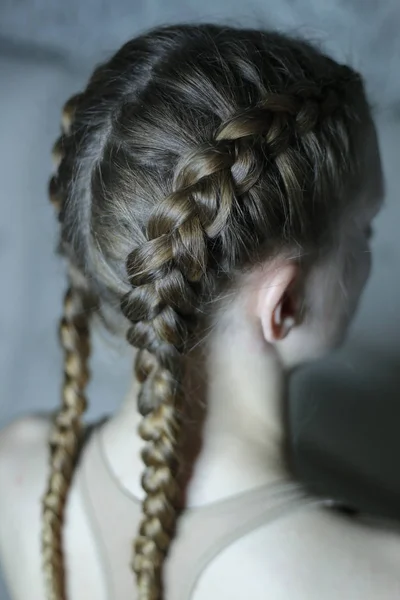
column 202, row 533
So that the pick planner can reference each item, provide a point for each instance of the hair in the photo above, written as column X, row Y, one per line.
column 194, row 153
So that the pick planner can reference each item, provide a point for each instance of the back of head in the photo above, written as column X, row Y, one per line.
column 192, row 155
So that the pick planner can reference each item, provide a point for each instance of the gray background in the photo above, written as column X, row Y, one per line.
column 345, row 410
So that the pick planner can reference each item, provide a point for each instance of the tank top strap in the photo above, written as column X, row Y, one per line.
column 202, row 533
column 205, row 532
column 114, row 517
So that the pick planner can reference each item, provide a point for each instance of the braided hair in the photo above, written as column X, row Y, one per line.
column 192, row 154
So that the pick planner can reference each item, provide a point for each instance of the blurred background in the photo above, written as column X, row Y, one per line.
column 344, row 410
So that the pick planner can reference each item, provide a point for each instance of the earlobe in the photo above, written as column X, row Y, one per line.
column 282, row 321
column 276, row 306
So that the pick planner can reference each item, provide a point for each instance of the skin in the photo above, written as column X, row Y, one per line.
column 280, row 312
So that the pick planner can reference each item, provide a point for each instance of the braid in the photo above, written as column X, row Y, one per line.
column 186, row 163
column 168, row 278
column 65, row 439
column 167, row 275
column 66, row 434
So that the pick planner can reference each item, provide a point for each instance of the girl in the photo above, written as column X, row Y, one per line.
column 215, row 190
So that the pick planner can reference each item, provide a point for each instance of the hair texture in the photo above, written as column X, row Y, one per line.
column 66, row 434
column 193, row 154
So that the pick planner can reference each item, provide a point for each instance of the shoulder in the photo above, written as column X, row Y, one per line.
column 23, row 472
column 23, row 444
column 25, row 429
column 23, row 457
column 24, row 468
column 310, row 554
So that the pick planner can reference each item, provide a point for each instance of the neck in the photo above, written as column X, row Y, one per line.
column 242, row 440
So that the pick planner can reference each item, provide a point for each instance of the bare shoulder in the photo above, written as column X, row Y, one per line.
column 23, row 454
column 23, row 460
column 23, row 474
column 24, row 430
column 308, row 555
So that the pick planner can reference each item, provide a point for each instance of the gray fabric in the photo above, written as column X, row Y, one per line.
column 345, row 410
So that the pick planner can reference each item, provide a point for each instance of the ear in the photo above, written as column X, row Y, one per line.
column 277, row 303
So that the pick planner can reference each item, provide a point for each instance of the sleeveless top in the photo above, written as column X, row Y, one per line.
column 202, row 533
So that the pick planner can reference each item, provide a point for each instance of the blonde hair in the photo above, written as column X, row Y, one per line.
column 192, row 154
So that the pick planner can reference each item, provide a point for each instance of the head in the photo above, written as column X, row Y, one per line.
column 202, row 160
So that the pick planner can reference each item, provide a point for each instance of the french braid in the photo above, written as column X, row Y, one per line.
column 168, row 275
column 66, row 434
column 195, row 151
